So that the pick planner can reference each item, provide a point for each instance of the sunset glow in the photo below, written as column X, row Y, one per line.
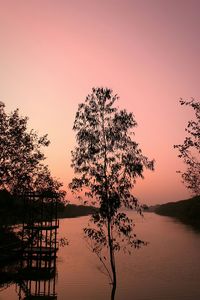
column 53, row 52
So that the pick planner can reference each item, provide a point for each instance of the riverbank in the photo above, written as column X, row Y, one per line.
column 73, row 211
column 187, row 211
column 14, row 215
column 12, row 209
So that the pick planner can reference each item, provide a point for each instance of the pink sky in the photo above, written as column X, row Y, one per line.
column 53, row 52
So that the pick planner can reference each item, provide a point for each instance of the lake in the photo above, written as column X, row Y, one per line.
column 167, row 269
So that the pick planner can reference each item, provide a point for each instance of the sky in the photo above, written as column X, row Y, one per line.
column 52, row 52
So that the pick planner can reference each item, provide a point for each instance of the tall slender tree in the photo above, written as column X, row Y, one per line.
column 107, row 162
column 189, row 151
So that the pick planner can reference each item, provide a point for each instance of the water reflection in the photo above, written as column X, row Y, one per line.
column 32, row 282
column 37, row 284
column 168, row 268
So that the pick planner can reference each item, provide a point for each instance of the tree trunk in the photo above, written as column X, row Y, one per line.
column 114, row 285
column 112, row 263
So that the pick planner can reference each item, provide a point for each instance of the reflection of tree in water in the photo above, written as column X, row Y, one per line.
column 35, row 273
column 9, row 260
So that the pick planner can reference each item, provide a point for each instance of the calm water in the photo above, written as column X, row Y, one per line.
column 167, row 269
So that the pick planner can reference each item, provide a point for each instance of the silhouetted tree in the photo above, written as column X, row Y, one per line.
column 107, row 161
column 189, row 151
column 21, row 157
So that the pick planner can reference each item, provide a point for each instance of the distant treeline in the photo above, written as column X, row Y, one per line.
column 12, row 209
column 73, row 210
column 187, row 211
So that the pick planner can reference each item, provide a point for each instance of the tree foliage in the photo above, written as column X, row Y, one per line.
column 21, row 157
column 189, row 151
column 107, row 162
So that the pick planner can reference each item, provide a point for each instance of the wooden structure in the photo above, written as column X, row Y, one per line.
column 39, row 247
